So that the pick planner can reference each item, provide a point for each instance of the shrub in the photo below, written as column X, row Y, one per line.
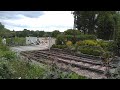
column 96, row 52
column 69, row 43
column 69, row 38
column 72, row 32
column 90, row 50
column 5, row 72
column 98, row 44
column 112, row 47
column 60, row 40
column 4, row 47
column 78, row 43
column 9, row 55
column 86, row 37
column 90, row 42
column 103, row 44
column 55, row 33
column 19, row 41
column 75, row 76
column 53, row 46
column 53, row 72
column 0, row 40
column 62, row 46
column 59, row 46
column 16, row 41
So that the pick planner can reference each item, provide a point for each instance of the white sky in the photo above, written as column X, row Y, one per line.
column 49, row 21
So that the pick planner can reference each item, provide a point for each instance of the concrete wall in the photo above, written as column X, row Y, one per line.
column 31, row 40
column 42, row 40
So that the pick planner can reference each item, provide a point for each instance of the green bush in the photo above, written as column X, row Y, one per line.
column 74, row 76
column 90, row 50
column 25, row 70
column 60, row 40
column 78, row 43
column 16, row 68
column 112, row 47
column 96, row 52
column 69, row 43
column 59, row 46
column 4, row 47
column 72, row 32
column 9, row 55
column 69, row 38
column 90, row 42
column 53, row 72
column 5, row 72
column 0, row 40
column 53, row 46
column 86, row 37
column 103, row 44
column 19, row 41
column 16, row 41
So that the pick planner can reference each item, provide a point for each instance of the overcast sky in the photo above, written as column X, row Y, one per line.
column 37, row 20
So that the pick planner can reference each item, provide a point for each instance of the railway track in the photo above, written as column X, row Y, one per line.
column 91, row 60
column 71, row 57
column 74, row 61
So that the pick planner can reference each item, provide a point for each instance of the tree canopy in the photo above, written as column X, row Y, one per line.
column 100, row 23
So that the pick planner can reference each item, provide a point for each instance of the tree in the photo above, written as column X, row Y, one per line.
column 106, row 24
column 25, row 33
column 41, row 33
column 85, row 21
column 55, row 33
column 115, row 45
column 117, row 36
column 100, row 23
column 72, row 32
column 4, row 32
column 1, row 26
column 36, row 33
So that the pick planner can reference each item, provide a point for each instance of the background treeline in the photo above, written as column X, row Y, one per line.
column 23, row 33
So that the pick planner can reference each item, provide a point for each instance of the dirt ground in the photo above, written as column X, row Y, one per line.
column 29, row 48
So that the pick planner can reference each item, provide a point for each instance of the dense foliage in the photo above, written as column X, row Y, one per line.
column 90, row 47
column 55, row 33
column 99, row 23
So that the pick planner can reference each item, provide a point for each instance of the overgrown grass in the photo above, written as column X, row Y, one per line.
column 17, row 41
column 19, row 69
column 12, row 67
column 25, row 70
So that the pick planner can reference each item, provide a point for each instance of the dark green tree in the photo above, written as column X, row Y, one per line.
column 100, row 23
column 1, row 26
column 72, row 32
column 41, row 33
column 85, row 21
column 106, row 25
column 55, row 33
